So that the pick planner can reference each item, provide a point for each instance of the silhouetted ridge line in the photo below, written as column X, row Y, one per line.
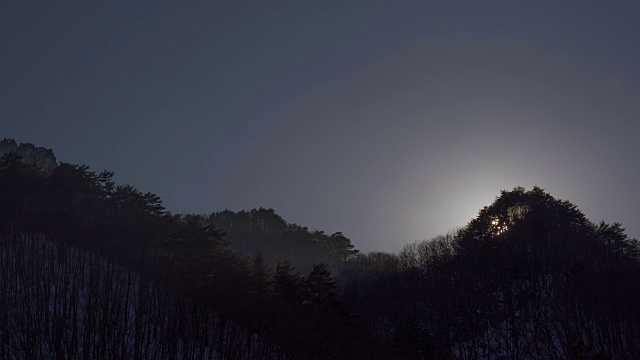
column 259, row 311
column 529, row 278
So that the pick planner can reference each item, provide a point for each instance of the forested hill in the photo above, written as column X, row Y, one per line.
column 529, row 278
column 265, row 232
column 87, row 264
column 248, row 309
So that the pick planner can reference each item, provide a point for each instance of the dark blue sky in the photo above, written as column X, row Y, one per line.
column 390, row 121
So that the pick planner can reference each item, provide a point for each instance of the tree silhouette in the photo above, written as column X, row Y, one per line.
column 93, row 269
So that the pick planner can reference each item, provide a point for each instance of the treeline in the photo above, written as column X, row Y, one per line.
column 265, row 232
column 529, row 278
column 302, row 316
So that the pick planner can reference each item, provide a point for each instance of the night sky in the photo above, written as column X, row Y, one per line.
column 389, row 121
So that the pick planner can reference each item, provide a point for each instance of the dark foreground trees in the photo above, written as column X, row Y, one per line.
column 92, row 269
column 58, row 302
column 223, row 302
column 529, row 278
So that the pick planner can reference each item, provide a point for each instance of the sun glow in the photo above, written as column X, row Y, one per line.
column 497, row 228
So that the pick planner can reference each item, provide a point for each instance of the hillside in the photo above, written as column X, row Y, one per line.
column 59, row 302
column 90, row 268
column 181, row 254
column 265, row 232
column 529, row 278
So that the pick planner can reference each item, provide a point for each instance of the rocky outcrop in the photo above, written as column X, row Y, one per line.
column 40, row 156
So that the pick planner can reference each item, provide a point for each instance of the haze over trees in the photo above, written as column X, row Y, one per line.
column 93, row 269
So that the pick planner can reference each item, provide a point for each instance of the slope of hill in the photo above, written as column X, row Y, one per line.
column 180, row 253
column 529, row 278
column 59, row 302
column 89, row 268
column 265, row 232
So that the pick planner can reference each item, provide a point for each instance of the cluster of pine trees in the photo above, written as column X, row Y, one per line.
column 93, row 269
column 529, row 278
column 58, row 302
column 184, row 254
column 265, row 232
